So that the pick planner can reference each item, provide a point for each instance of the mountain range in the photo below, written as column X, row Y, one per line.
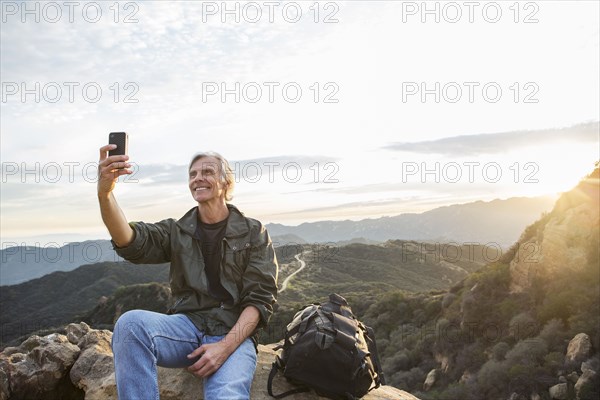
column 22, row 263
column 497, row 221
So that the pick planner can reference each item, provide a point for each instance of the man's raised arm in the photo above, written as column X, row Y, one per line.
column 109, row 170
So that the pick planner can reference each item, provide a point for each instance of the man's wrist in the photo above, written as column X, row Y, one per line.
column 230, row 342
column 104, row 196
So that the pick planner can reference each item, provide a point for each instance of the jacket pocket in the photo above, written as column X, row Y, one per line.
column 236, row 259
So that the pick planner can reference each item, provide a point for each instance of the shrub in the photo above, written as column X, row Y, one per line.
column 527, row 352
column 499, row 351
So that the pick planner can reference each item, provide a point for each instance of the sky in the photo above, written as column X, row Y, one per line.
column 326, row 110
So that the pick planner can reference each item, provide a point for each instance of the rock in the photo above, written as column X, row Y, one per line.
column 559, row 392
column 76, row 331
column 11, row 350
column 30, row 343
column 516, row 396
column 467, row 378
column 562, row 379
column 430, row 380
column 38, row 370
column 535, row 396
column 559, row 244
column 587, row 386
column 4, row 388
column 94, row 371
column 579, row 348
column 259, row 387
column 177, row 383
column 590, row 364
column 573, row 377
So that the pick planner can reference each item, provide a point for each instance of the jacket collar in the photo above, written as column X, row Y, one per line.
column 237, row 225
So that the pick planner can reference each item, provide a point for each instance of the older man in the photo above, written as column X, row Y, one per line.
column 223, row 276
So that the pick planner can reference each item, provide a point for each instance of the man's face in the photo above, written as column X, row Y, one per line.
column 205, row 180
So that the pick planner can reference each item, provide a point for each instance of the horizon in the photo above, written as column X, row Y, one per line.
column 371, row 122
column 34, row 241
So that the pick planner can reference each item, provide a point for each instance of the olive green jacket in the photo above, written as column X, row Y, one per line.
column 248, row 267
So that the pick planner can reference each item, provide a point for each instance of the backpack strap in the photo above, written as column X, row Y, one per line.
column 373, row 350
column 272, row 374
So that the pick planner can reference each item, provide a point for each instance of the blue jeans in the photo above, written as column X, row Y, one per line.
column 144, row 339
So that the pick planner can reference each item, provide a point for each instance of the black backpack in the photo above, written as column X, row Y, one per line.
column 327, row 349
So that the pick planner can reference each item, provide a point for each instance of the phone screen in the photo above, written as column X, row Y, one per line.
column 121, row 139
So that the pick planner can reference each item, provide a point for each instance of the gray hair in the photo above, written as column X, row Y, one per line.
column 226, row 172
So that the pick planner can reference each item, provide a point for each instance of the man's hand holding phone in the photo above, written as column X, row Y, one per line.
column 114, row 165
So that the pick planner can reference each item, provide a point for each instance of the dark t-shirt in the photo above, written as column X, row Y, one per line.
column 211, row 239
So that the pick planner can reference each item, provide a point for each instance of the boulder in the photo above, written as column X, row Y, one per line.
column 93, row 372
column 4, row 388
column 591, row 364
column 76, row 331
column 55, row 367
column 430, row 380
column 516, row 396
column 559, row 392
column 586, row 387
column 573, row 377
column 579, row 348
column 38, row 370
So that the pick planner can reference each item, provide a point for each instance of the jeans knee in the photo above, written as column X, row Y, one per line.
column 128, row 326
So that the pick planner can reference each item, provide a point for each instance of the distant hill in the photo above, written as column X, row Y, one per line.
column 99, row 293
column 497, row 221
column 151, row 296
column 21, row 263
column 363, row 273
column 286, row 239
column 57, row 298
column 406, row 265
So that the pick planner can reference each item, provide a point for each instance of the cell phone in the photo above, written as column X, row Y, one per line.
column 121, row 139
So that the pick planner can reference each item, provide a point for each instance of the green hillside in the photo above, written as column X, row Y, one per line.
column 494, row 335
column 57, row 298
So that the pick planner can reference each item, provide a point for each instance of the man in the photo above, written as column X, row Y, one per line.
column 223, row 274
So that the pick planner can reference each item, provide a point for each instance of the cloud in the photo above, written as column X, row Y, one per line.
column 469, row 145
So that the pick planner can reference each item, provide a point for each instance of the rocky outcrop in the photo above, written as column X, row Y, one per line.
column 93, row 372
column 430, row 380
column 37, row 368
column 79, row 365
column 586, row 387
column 558, row 241
column 559, row 392
column 579, row 348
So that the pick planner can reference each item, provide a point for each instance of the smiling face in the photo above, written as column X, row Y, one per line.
column 205, row 180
